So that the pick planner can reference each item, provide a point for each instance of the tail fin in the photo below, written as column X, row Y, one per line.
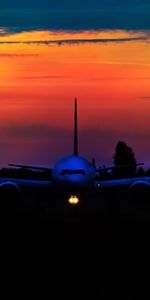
column 75, row 128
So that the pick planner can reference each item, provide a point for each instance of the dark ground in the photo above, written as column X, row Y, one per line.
column 97, row 253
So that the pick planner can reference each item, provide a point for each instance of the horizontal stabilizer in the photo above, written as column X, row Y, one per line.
column 30, row 167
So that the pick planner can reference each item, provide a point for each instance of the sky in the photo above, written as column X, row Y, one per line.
column 54, row 51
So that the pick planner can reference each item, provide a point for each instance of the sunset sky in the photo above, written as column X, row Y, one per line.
column 54, row 51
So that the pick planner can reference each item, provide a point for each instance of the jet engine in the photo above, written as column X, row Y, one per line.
column 140, row 192
column 9, row 193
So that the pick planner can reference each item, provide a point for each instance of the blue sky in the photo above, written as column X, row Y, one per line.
column 69, row 3
column 75, row 15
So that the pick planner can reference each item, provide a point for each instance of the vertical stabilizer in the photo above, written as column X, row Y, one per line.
column 75, row 128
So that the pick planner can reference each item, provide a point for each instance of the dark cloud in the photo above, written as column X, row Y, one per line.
column 33, row 131
column 118, row 78
column 117, row 133
column 76, row 41
column 17, row 54
column 43, row 131
column 145, row 98
column 43, row 77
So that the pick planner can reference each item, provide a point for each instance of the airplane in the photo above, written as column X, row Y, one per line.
column 73, row 175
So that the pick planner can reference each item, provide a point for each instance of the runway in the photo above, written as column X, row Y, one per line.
column 102, row 254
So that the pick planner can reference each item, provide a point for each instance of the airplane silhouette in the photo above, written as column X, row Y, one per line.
column 73, row 175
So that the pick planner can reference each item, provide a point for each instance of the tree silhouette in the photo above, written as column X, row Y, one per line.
column 140, row 172
column 124, row 161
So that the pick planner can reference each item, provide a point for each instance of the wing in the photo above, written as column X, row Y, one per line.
column 127, row 182
column 26, row 182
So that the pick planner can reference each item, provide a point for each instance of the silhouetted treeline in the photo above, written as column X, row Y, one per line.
column 124, row 161
column 25, row 173
column 124, row 164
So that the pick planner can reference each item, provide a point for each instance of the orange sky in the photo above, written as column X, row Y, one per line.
column 39, row 81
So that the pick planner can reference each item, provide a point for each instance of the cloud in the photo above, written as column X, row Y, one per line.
column 43, row 77
column 17, row 54
column 118, row 78
column 76, row 41
column 33, row 131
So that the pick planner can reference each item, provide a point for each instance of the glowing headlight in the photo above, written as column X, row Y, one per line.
column 73, row 200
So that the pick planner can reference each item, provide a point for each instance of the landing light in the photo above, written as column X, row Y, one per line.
column 73, row 200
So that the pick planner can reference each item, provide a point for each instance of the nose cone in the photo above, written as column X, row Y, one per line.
column 75, row 181
column 73, row 172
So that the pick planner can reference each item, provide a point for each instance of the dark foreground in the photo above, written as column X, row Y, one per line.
column 96, row 254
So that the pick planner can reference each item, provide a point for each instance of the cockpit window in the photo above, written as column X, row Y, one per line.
column 78, row 171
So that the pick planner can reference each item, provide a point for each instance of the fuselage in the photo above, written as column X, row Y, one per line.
column 73, row 173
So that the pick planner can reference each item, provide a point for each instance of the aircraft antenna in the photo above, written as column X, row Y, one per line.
column 75, row 128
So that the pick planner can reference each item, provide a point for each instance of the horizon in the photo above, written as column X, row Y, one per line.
column 98, row 54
